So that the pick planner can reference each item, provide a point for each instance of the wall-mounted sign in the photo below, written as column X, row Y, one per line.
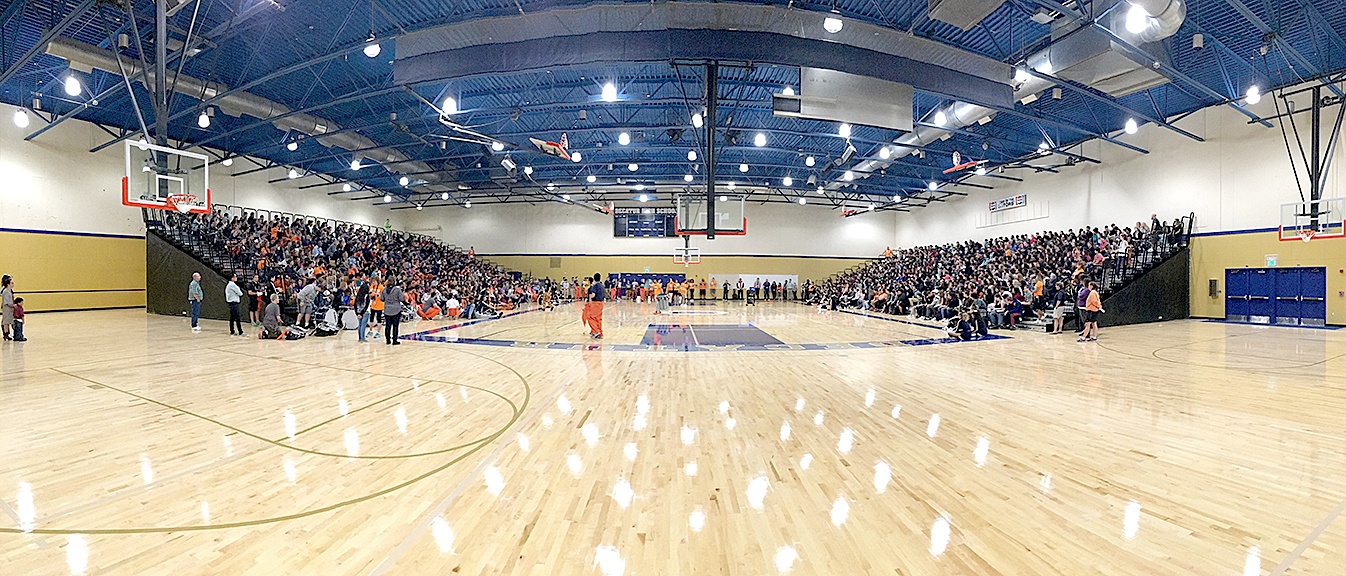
column 1271, row 260
column 1008, row 203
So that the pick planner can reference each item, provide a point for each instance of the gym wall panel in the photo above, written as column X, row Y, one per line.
column 553, row 228
column 711, row 266
column 56, row 271
column 1212, row 254
column 1236, row 179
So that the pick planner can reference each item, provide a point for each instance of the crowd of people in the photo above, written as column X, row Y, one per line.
column 306, row 266
column 972, row 287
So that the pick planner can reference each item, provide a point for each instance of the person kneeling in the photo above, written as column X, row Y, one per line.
column 271, row 329
column 959, row 328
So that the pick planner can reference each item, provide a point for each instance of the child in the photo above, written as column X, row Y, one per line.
column 18, row 320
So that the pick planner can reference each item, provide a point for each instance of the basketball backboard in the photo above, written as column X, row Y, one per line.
column 691, row 217
column 1313, row 220
column 162, row 178
column 687, row 256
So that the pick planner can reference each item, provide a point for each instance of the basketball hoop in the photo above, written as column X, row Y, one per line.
column 183, row 203
column 1307, row 234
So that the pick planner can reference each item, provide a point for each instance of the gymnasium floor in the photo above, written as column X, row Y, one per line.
column 132, row 446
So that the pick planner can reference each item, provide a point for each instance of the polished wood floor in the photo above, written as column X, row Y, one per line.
column 133, row 446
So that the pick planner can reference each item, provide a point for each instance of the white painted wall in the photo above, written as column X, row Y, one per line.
column 775, row 229
column 54, row 183
column 1236, row 180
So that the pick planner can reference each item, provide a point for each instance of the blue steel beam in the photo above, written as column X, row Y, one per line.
column 1281, row 43
column 70, row 18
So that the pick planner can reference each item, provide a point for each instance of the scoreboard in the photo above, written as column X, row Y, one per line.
column 643, row 222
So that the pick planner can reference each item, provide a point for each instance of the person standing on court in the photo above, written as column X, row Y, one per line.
column 194, row 296
column 392, row 310
column 233, row 295
column 362, row 306
column 593, row 309
column 7, row 304
column 1093, row 306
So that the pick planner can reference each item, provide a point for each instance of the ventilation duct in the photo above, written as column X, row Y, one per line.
column 1091, row 58
column 86, row 56
column 961, row 13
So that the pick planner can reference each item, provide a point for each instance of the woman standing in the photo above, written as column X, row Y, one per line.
column 6, row 304
column 1093, row 306
column 392, row 310
column 362, row 306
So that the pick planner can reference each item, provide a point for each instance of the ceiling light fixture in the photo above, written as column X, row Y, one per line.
column 832, row 24
column 743, row 167
column 759, row 140
column 72, row 86
column 609, row 92
column 450, row 106
column 844, row 130
column 624, row 138
column 633, row 167
column 1131, row 126
column 809, row 161
column 372, row 48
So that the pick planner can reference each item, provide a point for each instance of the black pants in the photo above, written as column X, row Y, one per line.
column 235, row 319
column 390, row 333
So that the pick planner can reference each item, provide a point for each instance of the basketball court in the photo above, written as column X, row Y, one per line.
column 902, row 287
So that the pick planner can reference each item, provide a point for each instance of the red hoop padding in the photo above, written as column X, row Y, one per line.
column 166, row 205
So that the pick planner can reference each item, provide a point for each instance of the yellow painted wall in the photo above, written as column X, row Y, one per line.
column 711, row 266
column 1211, row 255
column 55, row 271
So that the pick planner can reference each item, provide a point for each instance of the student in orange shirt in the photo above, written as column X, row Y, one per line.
column 702, row 287
column 593, row 308
column 1093, row 306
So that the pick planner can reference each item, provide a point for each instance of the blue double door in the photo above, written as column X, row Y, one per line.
column 1285, row 296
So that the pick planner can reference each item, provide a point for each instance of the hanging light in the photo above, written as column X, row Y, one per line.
column 639, row 186
column 1021, row 75
column 565, row 197
column 372, row 48
column 404, row 181
column 844, row 130
column 897, row 198
column 203, row 120
column 743, row 167
column 590, row 178
column 731, row 185
column 609, row 92
column 21, row 118
column 809, row 161
column 848, row 176
column 292, row 145
column 227, row 161
column 941, row 118
column 528, row 170
column 443, row 195
column 355, row 164
column 803, row 200
column 624, row 138
column 831, row 23
column 387, row 198
column 72, row 86
column 980, row 171
column 691, row 155
column 1131, row 127
column 820, row 189
column 686, row 177
column 346, row 187
column 724, row 198
column 576, row 157
column 788, row 181
column 1044, row 145
column 450, row 106
column 1254, row 95
column 1137, row 20
column 697, row 120
column 644, row 198
column 420, row 207
column 633, row 167
column 497, row 145
column 932, row 186
column 467, row 204
column 885, row 153
column 551, row 186
column 294, row 173
column 759, row 140
column 788, row 91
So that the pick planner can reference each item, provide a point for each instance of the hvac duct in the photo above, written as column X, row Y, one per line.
column 1085, row 56
column 79, row 54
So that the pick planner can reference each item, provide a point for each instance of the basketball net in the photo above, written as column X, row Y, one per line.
column 180, row 202
column 1306, row 234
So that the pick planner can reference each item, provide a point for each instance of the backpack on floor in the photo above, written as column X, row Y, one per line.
column 324, row 329
column 349, row 320
column 295, row 333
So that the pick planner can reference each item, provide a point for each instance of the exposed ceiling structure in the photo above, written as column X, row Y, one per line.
column 423, row 104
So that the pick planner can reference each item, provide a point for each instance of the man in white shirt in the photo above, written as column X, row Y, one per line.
column 232, row 296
